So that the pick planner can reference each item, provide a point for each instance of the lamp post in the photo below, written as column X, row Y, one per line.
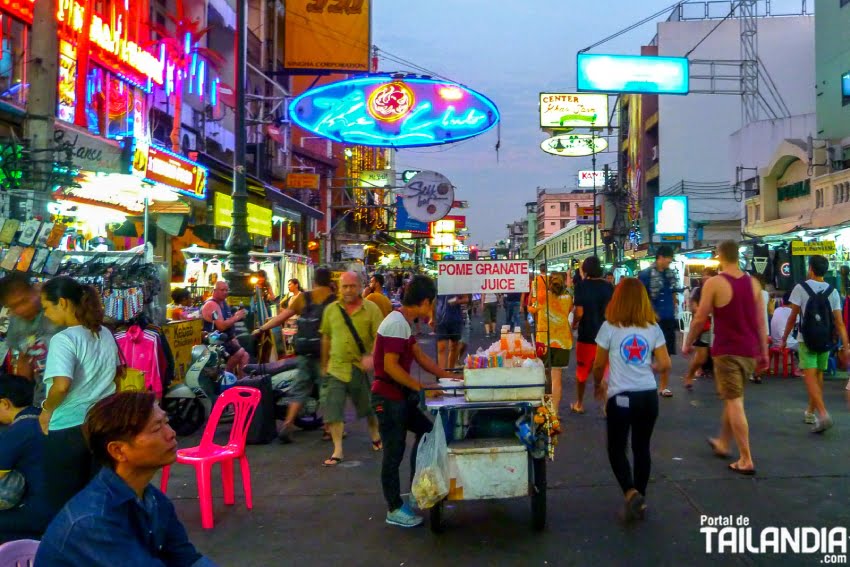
column 238, row 242
column 593, row 174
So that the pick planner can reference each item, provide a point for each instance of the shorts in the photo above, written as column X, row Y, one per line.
column 490, row 310
column 669, row 327
column 557, row 358
column 585, row 356
column 731, row 373
column 334, row 392
column 449, row 331
column 704, row 340
column 810, row 360
column 305, row 379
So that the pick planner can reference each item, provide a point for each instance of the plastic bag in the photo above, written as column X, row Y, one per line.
column 431, row 481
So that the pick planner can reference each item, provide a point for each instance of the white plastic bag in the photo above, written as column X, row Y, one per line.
column 431, row 481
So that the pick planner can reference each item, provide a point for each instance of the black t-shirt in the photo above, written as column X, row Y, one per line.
column 593, row 296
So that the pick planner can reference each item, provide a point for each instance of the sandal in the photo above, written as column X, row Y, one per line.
column 717, row 453
column 575, row 409
column 746, row 472
column 377, row 445
column 665, row 393
column 332, row 462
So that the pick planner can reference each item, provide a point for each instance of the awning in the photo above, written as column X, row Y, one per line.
column 224, row 173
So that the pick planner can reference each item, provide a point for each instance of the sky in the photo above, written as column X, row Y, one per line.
column 509, row 51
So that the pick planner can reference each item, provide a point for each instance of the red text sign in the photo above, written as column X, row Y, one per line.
column 506, row 276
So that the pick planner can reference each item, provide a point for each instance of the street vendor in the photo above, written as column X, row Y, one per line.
column 394, row 390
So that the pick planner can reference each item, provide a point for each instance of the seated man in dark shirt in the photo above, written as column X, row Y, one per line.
column 119, row 518
column 21, row 450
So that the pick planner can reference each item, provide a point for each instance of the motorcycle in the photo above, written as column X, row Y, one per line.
column 189, row 403
column 283, row 374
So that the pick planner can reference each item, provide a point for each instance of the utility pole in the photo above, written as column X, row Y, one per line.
column 238, row 242
column 593, row 158
column 41, row 99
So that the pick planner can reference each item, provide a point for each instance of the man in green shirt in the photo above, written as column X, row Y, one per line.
column 346, row 361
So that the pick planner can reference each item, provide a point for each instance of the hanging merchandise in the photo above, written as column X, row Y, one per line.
column 761, row 261
column 214, row 272
column 782, row 269
column 194, row 271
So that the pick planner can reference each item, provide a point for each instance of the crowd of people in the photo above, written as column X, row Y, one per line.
column 77, row 456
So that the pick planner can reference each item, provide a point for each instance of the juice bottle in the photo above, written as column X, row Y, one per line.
column 503, row 342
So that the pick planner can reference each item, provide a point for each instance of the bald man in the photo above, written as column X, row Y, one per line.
column 349, row 327
column 219, row 317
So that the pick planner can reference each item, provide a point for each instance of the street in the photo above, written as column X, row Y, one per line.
column 305, row 514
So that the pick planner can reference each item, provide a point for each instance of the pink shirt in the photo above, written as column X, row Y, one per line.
column 141, row 350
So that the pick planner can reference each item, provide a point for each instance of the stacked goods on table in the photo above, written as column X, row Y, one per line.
column 510, row 351
column 510, row 361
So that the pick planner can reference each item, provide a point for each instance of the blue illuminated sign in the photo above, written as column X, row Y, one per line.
column 632, row 74
column 382, row 110
column 404, row 223
column 671, row 215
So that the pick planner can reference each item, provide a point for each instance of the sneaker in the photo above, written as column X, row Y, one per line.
column 822, row 425
column 809, row 417
column 404, row 518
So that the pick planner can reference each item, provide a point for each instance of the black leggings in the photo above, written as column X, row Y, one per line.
column 68, row 465
column 636, row 411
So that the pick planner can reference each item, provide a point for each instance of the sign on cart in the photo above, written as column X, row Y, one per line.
column 504, row 276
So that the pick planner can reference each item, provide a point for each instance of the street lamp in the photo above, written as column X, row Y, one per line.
column 238, row 242
column 593, row 174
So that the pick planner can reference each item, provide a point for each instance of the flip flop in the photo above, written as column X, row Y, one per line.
column 377, row 445
column 665, row 393
column 713, row 444
column 746, row 472
column 574, row 409
column 332, row 462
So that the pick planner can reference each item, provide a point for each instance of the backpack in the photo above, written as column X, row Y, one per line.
column 818, row 325
column 308, row 341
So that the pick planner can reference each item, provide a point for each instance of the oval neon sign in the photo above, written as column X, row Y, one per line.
column 574, row 145
column 387, row 111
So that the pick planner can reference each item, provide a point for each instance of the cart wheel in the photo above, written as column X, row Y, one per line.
column 537, row 489
column 436, row 517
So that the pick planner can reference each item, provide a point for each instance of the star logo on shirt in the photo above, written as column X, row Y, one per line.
column 634, row 349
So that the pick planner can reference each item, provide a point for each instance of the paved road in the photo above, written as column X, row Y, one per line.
column 308, row 515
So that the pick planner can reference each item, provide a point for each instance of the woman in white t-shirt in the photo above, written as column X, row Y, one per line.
column 82, row 363
column 627, row 343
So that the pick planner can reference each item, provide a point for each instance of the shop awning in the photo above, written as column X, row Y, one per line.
column 275, row 197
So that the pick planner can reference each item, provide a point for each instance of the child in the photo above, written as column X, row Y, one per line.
column 22, row 451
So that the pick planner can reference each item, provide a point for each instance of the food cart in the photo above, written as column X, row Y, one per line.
column 497, row 462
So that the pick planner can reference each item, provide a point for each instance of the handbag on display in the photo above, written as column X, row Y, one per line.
column 128, row 379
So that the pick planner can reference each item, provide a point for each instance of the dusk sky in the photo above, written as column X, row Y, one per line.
column 509, row 51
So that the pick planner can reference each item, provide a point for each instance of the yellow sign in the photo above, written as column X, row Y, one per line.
column 259, row 218
column 328, row 35
column 302, row 181
column 800, row 248
column 181, row 337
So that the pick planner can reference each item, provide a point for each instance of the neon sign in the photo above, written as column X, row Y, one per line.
column 632, row 74
column 158, row 165
column 384, row 111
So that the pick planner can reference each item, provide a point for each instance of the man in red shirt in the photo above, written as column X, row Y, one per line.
column 394, row 392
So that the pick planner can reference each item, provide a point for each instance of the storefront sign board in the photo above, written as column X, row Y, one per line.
column 302, row 181
column 825, row 248
column 181, row 337
column 92, row 153
column 259, row 218
column 573, row 110
column 158, row 165
column 503, row 276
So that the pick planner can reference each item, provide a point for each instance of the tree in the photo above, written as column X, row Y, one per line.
column 181, row 46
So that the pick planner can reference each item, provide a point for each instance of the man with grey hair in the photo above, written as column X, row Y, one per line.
column 349, row 327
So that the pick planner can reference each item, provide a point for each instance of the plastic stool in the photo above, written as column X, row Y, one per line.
column 785, row 354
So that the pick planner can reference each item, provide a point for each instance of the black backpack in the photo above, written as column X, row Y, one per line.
column 818, row 325
column 308, row 341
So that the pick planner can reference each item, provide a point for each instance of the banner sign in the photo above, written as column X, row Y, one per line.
column 588, row 179
column 671, row 215
column 404, row 223
column 92, row 153
column 800, row 248
column 327, row 35
column 574, row 145
column 573, row 110
column 259, row 218
column 584, row 215
column 502, row 276
column 377, row 178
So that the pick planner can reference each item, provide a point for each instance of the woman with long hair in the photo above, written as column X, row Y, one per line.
column 554, row 335
column 627, row 343
column 703, row 343
column 82, row 364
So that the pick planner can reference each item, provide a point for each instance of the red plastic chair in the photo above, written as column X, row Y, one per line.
column 785, row 355
column 204, row 456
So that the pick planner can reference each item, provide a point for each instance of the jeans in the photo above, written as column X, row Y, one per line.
column 395, row 419
column 512, row 315
column 639, row 415
column 69, row 465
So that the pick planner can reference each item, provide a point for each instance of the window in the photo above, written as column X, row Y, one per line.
column 565, row 208
column 13, row 60
column 564, row 223
column 551, row 223
column 845, row 86
column 843, row 3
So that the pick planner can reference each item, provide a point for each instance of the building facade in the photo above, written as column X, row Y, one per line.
column 530, row 227
column 518, row 239
column 556, row 208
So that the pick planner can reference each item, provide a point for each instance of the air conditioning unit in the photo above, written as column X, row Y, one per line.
column 654, row 153
column 192, row 140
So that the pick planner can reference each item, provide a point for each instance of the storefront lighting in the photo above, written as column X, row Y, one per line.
column 348, row 152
